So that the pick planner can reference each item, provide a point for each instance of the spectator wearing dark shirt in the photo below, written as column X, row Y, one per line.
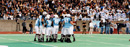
column 119, row 26
column 84, row 27
column 24, row 27
column 31, row 28
column 107, row 26
column 101, row 26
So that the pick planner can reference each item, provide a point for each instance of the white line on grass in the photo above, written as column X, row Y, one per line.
column 104, row 42
column 27, row 41
column 104, row 37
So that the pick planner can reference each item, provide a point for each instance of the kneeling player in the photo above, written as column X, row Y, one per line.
column 48, row 30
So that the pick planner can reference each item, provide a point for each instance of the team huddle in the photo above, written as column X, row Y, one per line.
column 50, row 27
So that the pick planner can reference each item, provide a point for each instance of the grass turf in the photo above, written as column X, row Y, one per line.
column 95, row 40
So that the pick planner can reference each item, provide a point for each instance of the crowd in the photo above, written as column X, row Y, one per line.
column 79, row 9
column 114, row 10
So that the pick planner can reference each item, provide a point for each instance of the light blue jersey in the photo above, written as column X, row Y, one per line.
column 37, row 22
column 56, row 21
column 67, row 22
column 40, row 20
column 49, row 22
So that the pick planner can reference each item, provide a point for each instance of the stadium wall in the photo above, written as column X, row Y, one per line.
column 11, row 25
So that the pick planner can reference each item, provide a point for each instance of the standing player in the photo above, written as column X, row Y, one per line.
column 67, row 29
column 42, row 31
column 56, row 22
column 48, row 30
column 37, row 29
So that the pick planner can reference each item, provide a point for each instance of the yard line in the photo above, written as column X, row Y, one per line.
column 104, row 43
column 103, row 37
column 128, row 35
column 27, row 41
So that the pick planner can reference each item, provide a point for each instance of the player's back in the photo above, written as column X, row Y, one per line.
column 56, row 21
column 48, row 22
column 67, row 23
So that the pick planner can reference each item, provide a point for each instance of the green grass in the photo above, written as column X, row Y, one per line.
column 95, row 40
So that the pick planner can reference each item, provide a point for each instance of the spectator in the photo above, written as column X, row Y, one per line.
column 101, row 26
column 91, row 26
column 115, row 27
column 31, row 28
column 107, row 26
column 111, row 28
column 24, row 27
column 127, row 27
column 95, row 28
column 84, row 27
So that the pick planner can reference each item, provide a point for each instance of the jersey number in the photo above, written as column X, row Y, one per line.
column 49, row 23
column 56, row 21
column 67, row 21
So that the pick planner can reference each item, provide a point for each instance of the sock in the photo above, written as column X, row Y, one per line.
column 42, row 36
column 61, row 36
column 56, row 36
column 46, row 38
column 73, row 35
column 38, row 36
column 68, row 38
column 35, row 35
column 53, row 36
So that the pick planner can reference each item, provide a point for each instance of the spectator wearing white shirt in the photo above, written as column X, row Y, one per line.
column 114, row 17
column 55, row 15
column 106, row 16
column 123, row 15
column 97, row 15
column 118, row 14
column 11, row 17
column 5, row 17
column 91, row 26
column 78, row 17
column 110, row 17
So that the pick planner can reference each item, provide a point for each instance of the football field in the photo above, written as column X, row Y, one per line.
column 94, row 40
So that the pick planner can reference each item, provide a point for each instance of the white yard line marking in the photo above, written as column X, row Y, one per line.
column 104, row 37
column 104, row 42
column 27, row 41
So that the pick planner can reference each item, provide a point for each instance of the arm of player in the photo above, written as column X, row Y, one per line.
column 72, row 22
